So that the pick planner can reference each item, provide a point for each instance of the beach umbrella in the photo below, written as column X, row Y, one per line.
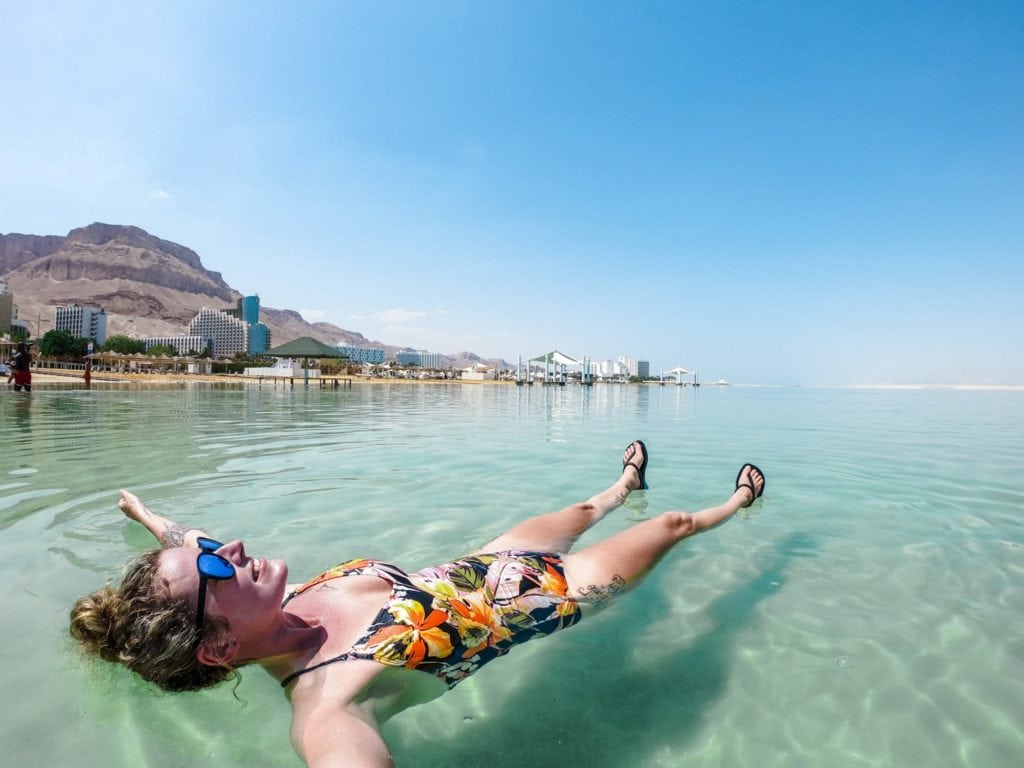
column 679, row 371
column 556, row 357
column 304, row 347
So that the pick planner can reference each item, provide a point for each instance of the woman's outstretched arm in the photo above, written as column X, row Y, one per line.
column 331, row 736
column 167, row 532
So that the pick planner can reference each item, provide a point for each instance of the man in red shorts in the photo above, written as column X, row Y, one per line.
column 20, row 362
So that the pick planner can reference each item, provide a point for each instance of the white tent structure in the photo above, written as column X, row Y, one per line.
column 556, row 357
column 557, row 360
column 678, row 372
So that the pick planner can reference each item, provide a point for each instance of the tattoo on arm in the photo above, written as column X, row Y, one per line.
column 598, row 595
column 173, row 536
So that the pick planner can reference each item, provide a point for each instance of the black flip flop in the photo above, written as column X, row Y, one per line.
column 642, row 469
column 753, row 490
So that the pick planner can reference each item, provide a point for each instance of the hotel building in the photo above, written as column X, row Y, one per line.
column 228, row 335
column 639, row 368
column 182, row 345
column 83, row 322
column 371, row 355
column 423, row 359
column 247, row 309
column 7, row 309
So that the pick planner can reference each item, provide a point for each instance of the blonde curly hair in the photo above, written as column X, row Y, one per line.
column 141, row 626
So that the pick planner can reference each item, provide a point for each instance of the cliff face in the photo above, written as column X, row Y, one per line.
column 148, row 286
column 123, row 269
column 16, row 250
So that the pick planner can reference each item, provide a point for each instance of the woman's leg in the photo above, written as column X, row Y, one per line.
column 602, row 569
column 557, row 531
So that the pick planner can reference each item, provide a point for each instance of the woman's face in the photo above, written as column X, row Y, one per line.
column 250, row 601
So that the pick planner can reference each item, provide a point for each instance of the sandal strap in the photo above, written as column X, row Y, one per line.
column 753, row 493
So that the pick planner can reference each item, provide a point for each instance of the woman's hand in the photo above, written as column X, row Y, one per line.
column 132, row 507
column 167, row 532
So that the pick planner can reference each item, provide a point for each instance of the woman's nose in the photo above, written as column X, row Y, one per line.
column 232, row 549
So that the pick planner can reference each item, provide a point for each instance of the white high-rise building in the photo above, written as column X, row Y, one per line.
column 83, row 322
column 229, row 335
column 610, row 369
column 7, row 311
column 182, row 345
column 372, row 355
column 423, row 359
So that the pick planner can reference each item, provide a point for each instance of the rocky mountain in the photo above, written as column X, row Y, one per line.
column 147, row 286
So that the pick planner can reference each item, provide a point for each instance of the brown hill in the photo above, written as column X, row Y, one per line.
column 147, row 286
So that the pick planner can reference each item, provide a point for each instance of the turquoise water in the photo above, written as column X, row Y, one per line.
column 869, row 612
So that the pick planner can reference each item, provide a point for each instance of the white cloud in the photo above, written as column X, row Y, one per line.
column 399, row 316
column 317, row 315
column 159, row 194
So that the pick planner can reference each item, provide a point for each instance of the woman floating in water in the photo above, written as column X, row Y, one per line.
column 351, row 645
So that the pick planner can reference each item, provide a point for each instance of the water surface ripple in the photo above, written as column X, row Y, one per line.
column 869, row 612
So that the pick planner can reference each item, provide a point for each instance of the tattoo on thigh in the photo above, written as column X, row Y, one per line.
column 173, row 536
column 598, row 595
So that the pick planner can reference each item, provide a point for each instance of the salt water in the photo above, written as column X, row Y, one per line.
column 869, row 611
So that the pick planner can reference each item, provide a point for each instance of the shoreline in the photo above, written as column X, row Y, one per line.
column 51, row 376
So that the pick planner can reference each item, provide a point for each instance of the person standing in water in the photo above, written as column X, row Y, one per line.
column 21, row 362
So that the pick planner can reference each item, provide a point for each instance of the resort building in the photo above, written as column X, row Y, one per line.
column 422, row 359
column 7, row 309
column 247, row 309
column 284, row 368
column 182, row 345
column 83, row 322
column 228, row 335
column 609, row 369
column 371, row 355
column 259, row 339
column 479, row 372
column 639, row 368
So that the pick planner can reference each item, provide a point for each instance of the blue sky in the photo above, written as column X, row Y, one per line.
column 773, row 192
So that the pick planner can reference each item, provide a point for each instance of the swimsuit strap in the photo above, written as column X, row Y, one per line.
column 357, row 567
column 288, row 680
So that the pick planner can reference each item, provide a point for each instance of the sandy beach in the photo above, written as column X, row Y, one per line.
column 53, row 376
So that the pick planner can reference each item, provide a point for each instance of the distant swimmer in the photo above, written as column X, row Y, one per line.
column 366, row 639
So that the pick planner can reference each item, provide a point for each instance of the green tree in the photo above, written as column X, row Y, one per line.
column 335, row 366
column 62, row 344
column 253, row 361
column 124, row 345
column 162, row 350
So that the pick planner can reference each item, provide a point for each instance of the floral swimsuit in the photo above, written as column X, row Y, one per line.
column 449, row 620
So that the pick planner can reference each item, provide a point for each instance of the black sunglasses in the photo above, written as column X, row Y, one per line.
column 210, row 566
